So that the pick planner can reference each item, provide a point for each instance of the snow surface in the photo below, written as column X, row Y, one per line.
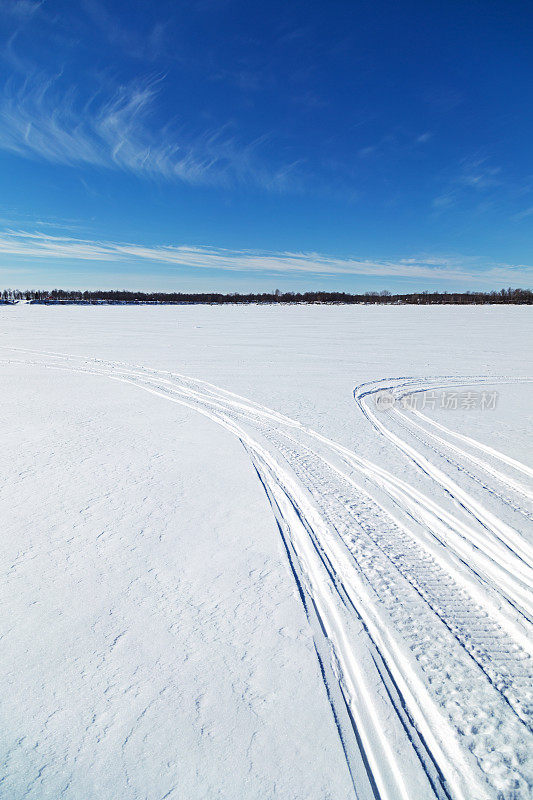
column 228, row 572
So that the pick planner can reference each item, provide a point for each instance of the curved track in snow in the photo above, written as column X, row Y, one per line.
column 497, row 540
column 420, row 606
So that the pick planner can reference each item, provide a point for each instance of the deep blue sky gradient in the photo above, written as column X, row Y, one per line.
column 392, row 137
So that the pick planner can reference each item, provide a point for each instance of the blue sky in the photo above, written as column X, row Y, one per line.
column 216, row 144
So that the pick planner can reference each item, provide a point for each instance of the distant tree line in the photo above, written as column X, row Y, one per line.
column 59, row 296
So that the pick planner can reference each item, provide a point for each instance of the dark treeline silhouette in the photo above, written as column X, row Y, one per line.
column 62, row 296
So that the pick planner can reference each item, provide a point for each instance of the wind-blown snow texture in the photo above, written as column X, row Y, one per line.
column 229, row 572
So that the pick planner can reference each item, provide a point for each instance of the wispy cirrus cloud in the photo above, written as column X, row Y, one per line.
column 20, row 8
column 41, row 245
column 395, row 143
column 140, row 44
column 479, row 174
column 476, row 178
column 41, row 118
column 525, row 214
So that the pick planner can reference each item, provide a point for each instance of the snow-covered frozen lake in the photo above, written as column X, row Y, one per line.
column 266, row 552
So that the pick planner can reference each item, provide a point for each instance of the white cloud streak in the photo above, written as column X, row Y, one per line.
column 527, row 212
column 20, row 8
column 40, row 245
column 41, row 119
